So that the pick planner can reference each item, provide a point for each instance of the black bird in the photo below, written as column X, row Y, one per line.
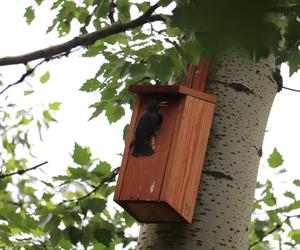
column 148, row 124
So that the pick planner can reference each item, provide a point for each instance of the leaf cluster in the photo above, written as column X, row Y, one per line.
column 271, row 221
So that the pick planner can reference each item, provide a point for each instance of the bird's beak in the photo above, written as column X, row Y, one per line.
column 163, row 104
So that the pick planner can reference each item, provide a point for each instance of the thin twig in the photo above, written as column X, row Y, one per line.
column 22, row 78
column 84, row 39
column 114, row 173
column 111, row 12
column 295, row 90
column 276, row 228
column 31, row 70
column 22, row 171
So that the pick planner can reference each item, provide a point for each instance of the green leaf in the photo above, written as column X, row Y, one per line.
column 296, row 182
column 109, row 92
column 54, row 105
column 274, row 217
column 100, row 107
column 78, row 173
column 65, row 244
column 103, row 8
column 143, row 6
column 104, row 236
column 48, row 116
column 165, row 2
column 295, row 235
column 74, row 234
column 52, row 223
column 96, row 205
column 275, row 159
column 44, row 78
column 38, row 2
column 269, row 199
column 294, row 63
column 29, row 14
column 128, row 219
column 55, row 236
column 102, row 169
column 28, row 92
column 90, row 85
column 289, row 194
column 124, row 10
column 161, row 66
column 293, row 206
column 81, row 156
column 114, row 113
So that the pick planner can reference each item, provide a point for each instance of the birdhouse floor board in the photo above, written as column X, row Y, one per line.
column 171, row 89
column 152, row 212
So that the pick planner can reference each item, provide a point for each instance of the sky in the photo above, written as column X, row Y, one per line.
column 105, row 140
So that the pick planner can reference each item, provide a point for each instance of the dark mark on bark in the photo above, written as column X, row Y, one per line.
column 240, row 88
column 278, row 78
column 260, row 152
column 218, row 175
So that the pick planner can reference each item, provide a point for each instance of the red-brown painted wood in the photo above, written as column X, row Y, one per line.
column 186, row 157
column 163, row 187
column 130, row 133
column 171, row 89
column 144, row 175
column 197, row 75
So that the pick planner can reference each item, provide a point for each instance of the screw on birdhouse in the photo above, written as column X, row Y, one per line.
column 146, row 129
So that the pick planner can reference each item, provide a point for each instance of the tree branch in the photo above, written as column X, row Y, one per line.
column 111, row 177
column 22, row 171
column 295, row 90
column 84, row 40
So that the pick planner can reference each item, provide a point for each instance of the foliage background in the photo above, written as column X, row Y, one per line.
column 31, row 218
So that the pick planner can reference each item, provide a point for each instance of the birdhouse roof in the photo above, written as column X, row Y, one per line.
column 171, row 90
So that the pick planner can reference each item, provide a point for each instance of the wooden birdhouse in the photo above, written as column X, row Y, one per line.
column 163, row 187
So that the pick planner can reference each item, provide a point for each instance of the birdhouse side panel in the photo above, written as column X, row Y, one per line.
column 187, row 156
column 143, row 177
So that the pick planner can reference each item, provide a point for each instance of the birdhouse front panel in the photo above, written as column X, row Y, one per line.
column 143, row 178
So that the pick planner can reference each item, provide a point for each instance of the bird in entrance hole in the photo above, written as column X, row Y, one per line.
column 147, row 126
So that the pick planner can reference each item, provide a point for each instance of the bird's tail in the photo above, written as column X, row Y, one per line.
column 142, row 149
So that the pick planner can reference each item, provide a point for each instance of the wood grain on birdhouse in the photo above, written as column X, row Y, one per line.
column 163, row 187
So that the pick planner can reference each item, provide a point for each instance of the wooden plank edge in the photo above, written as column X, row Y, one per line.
column 126, row 153
column 124, row 203
column 172, row 89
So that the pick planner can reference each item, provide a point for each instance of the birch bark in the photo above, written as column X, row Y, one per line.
column 245, row 94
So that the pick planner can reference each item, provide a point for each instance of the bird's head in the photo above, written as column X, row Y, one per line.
column 155, row 104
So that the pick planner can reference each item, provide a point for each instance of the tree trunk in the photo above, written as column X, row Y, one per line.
column 245, row 92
